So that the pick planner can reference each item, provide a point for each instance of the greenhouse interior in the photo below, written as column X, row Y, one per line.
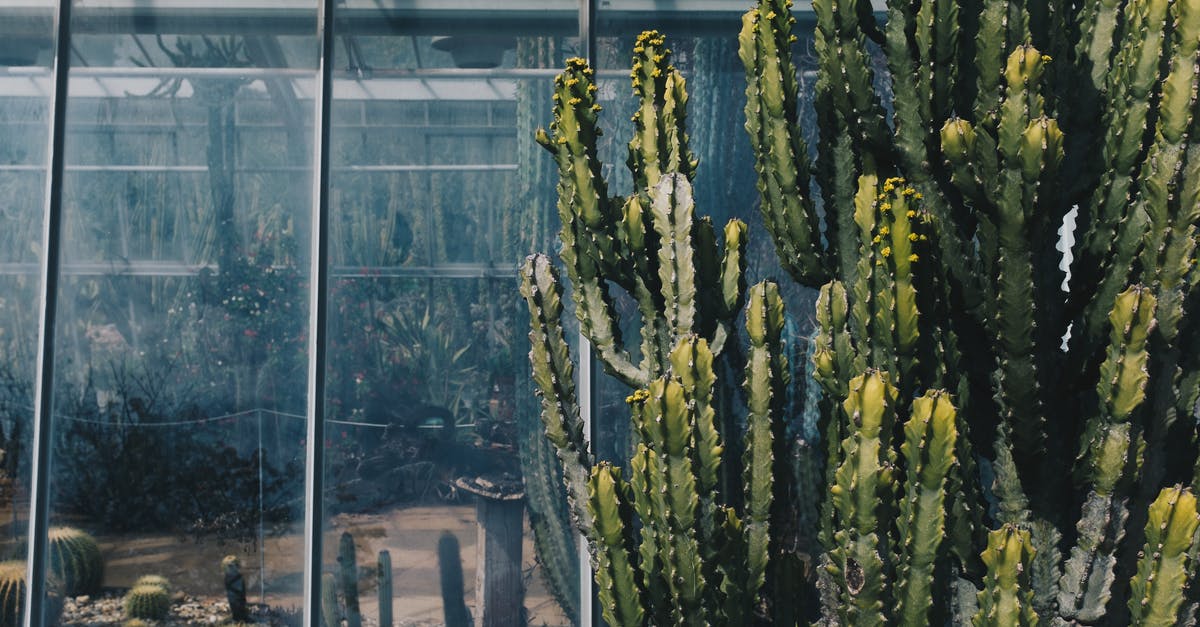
column 191, row 142
column 599, row 312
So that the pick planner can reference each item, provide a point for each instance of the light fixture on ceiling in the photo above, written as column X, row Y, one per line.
column 475, row 52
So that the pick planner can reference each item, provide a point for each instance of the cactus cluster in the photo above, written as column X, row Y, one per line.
column 1008, row 345
column 940, row 263
column 671, row 544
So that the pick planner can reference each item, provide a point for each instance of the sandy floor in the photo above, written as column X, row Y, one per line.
column 409, row 534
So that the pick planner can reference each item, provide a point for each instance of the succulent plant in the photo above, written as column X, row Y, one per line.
column 955, row 365
column 13, row 591
column 153, row 580
column 76, row 560
column 148, row 602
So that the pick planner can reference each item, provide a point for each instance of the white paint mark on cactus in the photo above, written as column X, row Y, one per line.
column 1066, row 241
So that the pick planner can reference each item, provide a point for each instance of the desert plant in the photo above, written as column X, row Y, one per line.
column 147, row 601
column 12, row 595
column 669, row 545
column 940, row 264
column 330, row 612
column 348, row 579
column 75, row 560
column 942, row 318
column 384, row 568
column 153, row 580
column 235, row 588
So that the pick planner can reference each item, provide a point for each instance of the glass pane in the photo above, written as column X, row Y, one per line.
column 26, row 85
column 182, row 324
column 438, row 191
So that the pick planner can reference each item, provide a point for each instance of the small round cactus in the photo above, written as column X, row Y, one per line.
column 154, row 580
column 147, row 601
column 76, row 561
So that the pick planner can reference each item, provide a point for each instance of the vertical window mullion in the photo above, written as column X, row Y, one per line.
column 39, row 504
column 317, row 313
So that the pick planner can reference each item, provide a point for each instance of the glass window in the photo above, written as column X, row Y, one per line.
column 434, row 453
column 26, row 88
column 181, row 361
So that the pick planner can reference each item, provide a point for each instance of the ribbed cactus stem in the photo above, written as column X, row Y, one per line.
column 864, row 487
column 1163, row 569
column 330, row 612
column 620, row 597
column 766, row 445
column 780, row 153
column 554, row 375
column 928, row 451
column 1007, row 599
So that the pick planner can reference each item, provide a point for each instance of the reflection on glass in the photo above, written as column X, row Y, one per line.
column 181, row 339
column 26, row 40
column 435, row 461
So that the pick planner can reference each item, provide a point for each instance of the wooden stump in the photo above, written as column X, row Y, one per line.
column 499, row 589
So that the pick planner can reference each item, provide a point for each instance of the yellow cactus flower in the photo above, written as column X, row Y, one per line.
column 886, row 252
column 637, row 396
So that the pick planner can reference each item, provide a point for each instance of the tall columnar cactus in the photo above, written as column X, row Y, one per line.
column 670, row 541
column 935, row 242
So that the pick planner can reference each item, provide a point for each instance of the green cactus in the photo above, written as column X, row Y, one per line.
column 12, row 595
column 941, row 319
column 1007, row 115
column 670, row 544
column 384, row 569
column 76, row 561
column 153, row 580
column 330, row 612
column 147, row 601
column 1006, row 599
column 1157, row 590
column 348, row 579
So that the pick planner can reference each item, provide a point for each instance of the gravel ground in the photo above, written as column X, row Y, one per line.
column 106, row 609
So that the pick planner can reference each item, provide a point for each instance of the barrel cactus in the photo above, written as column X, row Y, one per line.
column 76, row 560
column 147, row 601
column 12, row 595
